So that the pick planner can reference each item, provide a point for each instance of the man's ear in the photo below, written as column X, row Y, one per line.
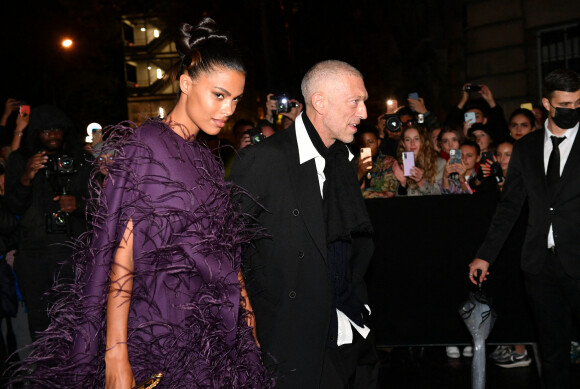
column 185, row 83
column 546, row 103
column 319, row 103
column 484, row 121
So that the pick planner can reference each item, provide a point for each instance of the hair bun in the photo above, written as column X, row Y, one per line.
column 190, row 36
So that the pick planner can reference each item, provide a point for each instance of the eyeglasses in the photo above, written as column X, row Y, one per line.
column 51, row 131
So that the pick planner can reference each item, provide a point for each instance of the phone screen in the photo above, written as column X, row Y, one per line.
column 414, row 96
column 408, row 162
column 469, row 117
column 527, row 106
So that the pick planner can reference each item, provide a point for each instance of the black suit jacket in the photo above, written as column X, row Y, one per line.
column 286, row 274
column 526, row 178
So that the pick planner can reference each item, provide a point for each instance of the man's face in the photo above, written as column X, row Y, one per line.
column 469, row 156
column 345, row 108
column 51, row 139
column 560, row 99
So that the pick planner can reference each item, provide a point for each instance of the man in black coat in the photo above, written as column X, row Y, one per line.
column 305, row 280
column 544, row 170
column 46, row 184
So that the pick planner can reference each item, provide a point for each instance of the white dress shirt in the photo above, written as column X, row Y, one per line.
column 565, row 147
column 306, row 152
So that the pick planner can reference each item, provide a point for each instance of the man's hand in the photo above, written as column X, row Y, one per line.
column 294, row 111
column 478, row 264
column 270, row 108
column 245, row 141
column 34, row 164
column 417, row 105
column 67, row 203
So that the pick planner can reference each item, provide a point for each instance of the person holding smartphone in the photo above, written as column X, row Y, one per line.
column 375, row 170
column 424, row 177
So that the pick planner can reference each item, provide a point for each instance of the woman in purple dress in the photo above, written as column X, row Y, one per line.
column 156, row 286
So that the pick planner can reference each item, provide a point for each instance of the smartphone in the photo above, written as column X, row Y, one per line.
column 472, row 88
column 455, row 156
column 469, row 117
column 408, row 162
column 527, row 106
column 414, row 96
column 485, row 156
column 365, row 152
column 24, row 110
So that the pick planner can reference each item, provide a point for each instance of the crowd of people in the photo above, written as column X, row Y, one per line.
column 162, row 265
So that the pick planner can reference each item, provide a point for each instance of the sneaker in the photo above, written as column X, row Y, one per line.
column 452, row 352
column 500, row 353
column 515, row 360
column 468, row 351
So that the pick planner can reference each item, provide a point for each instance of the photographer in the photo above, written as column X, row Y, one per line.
column 291, row 108
column 493, row 116
column 46, row 181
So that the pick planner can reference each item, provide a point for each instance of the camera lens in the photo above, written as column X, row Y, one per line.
column 59, row 219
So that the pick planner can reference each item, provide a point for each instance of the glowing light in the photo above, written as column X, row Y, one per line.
column 156, row 33
column 143, row 29
column 159, row 74
column 148, row 67
column 91, row 129
column 161, row 113
column 67, row 43
column 389, row 102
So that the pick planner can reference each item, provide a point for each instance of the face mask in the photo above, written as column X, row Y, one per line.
column 566, row 118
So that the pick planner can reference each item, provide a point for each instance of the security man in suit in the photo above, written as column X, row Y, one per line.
column 305, row 280
column 544, row 170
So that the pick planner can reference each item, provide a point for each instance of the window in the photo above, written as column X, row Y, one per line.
column 558, row 48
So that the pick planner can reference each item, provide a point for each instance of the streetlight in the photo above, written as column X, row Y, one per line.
column 67, row 43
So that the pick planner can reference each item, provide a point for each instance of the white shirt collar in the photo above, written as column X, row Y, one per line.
column 306, row 149
column 569, row 134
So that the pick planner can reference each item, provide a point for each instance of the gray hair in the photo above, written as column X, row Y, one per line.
column 322, row 72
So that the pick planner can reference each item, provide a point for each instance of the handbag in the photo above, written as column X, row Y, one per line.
column 151, row 382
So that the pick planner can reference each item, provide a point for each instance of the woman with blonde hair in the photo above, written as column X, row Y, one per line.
column 425, row 176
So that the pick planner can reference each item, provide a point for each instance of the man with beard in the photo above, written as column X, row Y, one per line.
column 543, row 170
column 46, row 182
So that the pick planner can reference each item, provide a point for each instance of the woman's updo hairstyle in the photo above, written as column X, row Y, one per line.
column 203, row 48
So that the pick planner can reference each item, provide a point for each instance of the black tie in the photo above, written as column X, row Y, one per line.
column 553, row 173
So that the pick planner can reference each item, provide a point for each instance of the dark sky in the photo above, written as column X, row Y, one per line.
column 399, row 46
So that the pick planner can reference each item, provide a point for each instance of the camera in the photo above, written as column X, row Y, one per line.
column 255, row 135
column 472, row 88
column 283, row 104
column 58, row 223
column 392, row 122
column 60, row 165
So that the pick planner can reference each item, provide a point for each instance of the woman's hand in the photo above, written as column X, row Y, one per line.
column 460, row 169
column 417, row 175
column 363, row 166
column 118, row 372
column 399, row 174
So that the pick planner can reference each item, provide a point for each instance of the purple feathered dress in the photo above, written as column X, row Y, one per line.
column 185, row 318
